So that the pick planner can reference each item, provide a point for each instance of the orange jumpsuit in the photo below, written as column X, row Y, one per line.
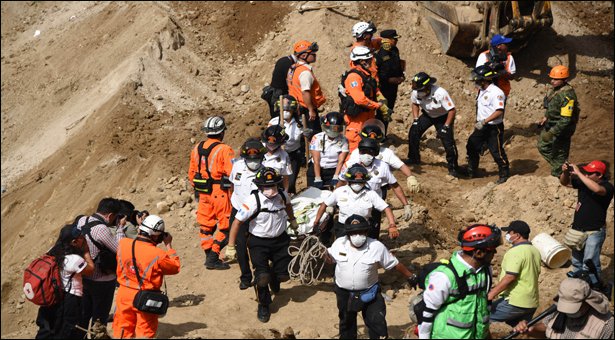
column 374, row 45
column 153, row 263
column 355, row 88
column 294, row 86
column 214, row 208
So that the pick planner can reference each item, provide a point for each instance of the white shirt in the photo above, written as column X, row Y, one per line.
column 379, row 171
column 73, row 264
column 350, row 203
column 306, row 79
column 436, row 104
column 386, row 155
column 357, row 269
column 436, row 292
column 512, row 68
column 292, row 130
column 280, row 161
column 265, row 224
column 243, row 182
column 488, row 101
column 329, row 149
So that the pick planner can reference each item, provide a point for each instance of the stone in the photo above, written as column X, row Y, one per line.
column 162, row 207
column 245, row 88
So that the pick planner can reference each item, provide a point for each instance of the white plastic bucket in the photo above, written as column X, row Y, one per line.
column 552, row 253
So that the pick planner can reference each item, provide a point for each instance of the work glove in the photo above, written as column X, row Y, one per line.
column 307, row 132
column 415, row 122
column 334, row 181
column 443, row 132
column 413, row 184
column 407, row 212
column 547, row 136
column 479, row 125
column 381, row 99
column 294, row 225
column 413, row 281
column 231, row 253
column 317, row 183
column 329, row 210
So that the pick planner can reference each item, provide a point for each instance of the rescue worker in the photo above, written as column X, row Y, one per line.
column 329, row 149
column 278, row 80
column 361, row 96
column 390, row 70
column 356, row 198
column 489, row 125
column 242, row 176
column 295, row 146
column 363, row 32
column 210, row 168
column 358, row 258
column 153, row 263
column 273, row 138
column 373, row 129
column 380, row 175
column 500, row 60
column 303, row 85
column 448, row 313
column 267, row 212
column 437, row 110
column 560, row 120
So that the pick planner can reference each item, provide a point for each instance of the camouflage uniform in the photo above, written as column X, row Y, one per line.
column 562, row 115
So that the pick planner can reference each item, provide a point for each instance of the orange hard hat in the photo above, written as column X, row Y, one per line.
column 559, row 72
column 479, row 236
column 303, row 46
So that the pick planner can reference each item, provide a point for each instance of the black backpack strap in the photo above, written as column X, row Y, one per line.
column 462, row 284
column 206, row 152
column 87, row 228
column 134, row 264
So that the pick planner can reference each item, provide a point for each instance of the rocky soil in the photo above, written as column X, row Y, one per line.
column 107, row 99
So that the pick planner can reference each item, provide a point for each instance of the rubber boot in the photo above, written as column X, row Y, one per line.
column 504, row 175
column 212, row 261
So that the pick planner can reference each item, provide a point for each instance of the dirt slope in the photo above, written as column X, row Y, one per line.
column 109, row 98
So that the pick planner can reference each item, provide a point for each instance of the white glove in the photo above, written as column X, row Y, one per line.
column 413, row 184
column 330, row 210
column 231, row 253
column 407, row 212
column 479, row 125
column 294, row 225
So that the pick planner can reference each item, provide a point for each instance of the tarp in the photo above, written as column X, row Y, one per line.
column 305, row 205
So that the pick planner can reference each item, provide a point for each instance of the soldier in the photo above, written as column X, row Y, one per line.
column 390, row 70
column 560, row 120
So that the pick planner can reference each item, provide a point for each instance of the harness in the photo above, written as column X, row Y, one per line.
column 205, row 185
column 347, row 104
column 265, row 210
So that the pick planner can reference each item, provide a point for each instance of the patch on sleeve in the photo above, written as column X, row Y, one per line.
column 501, row 103
column 238, row 176
column 354, row 84
column 431, row 287
column 500, row 97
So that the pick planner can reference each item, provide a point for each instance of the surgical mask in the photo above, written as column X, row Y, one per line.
column 422, row 94
column 270, row 192
column 358, row 240
column 253, row 164
column 287, row 115
column 356, row 187
column 332, row 134
column 366, row 159
column 508, row 238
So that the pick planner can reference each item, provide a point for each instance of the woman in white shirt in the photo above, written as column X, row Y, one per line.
column 328, row 150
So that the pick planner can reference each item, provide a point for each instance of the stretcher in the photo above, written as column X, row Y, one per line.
column 305, row 206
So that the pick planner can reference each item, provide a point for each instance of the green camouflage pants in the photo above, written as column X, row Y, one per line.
column 555, row 152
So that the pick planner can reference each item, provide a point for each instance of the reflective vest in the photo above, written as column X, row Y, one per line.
column 294, row 86
column 152, row 262
column 467, row 318
column 502, row 82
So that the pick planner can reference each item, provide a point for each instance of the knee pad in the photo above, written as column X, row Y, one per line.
column 262, row 280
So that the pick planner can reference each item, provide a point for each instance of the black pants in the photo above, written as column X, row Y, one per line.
column 312, row 124
column 326, row 174
column 263, row 250
column 274, row 98
column 493, row 135
column 297, row 158
column 448, row 140
column 242, row 250
column 374, row 316
column 97, row 301
column 59, row 320
column 389, row 91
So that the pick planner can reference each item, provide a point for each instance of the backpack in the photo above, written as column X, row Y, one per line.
column 347, row 104
column 42, row 283
column 106, row 260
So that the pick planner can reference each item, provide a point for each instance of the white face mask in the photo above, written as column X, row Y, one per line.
column 421, row 94
column 287, row 115
column 508, row 238
column 358, row 240
column 270, row 192
column 356, row 187
column 332, row 134
column 366, row 159
column 253, row 164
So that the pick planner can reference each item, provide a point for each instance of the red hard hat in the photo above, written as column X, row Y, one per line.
column 479, row 236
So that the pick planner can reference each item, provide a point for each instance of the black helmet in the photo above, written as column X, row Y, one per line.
column 421, row 80
column 369, row 144
column 357, row 173
column 289, row 104
column 356, row 223
column 483, row 72
column 373, row 132
column 267, row 177
column 332, row 123
column 274, row 134
column 480, row 236
column 253, row 149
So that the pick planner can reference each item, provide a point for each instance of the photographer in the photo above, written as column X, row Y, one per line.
column 128, row 219
column 581, row 313
column 498, row 58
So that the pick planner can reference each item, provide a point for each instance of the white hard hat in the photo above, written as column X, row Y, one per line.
column 153, row 225
column 214, row 125
column 363, row 27
column 360, row 52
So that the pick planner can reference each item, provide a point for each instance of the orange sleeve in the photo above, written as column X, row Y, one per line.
column 194, row 165
column 228, row 154
column 354, row 87
column 169, row 264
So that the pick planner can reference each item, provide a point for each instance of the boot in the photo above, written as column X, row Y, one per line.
column 212, row 261
column 263, row 313
column 504, row 174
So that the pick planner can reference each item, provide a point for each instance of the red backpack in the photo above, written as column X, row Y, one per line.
column 42, row 283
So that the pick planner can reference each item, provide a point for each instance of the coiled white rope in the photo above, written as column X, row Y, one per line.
column 306, row 260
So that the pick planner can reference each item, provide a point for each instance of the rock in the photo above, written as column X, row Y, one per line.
column 235, row 79
column 245, row 88
column 162, row 207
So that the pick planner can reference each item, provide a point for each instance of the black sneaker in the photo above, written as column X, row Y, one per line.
column 501, row 180
column 244, row 285
column 263, row 313
column 218, row 264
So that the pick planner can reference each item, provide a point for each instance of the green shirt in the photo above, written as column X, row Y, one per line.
column 522, row 260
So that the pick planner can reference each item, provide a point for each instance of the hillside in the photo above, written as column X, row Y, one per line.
column 109, row 98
